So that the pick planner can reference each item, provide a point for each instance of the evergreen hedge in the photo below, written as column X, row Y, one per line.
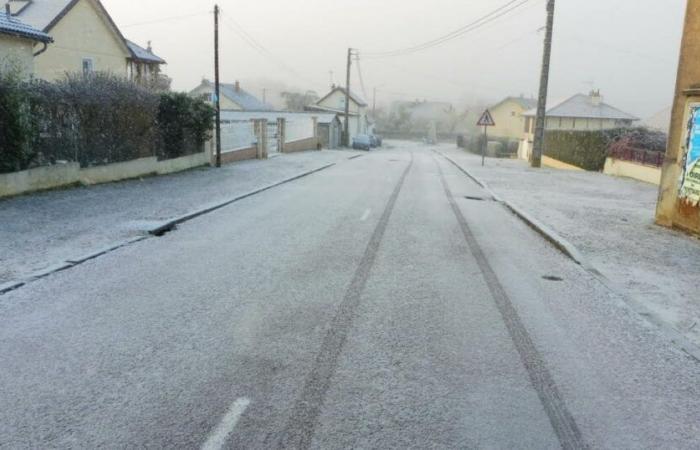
column 589, row 149
column 95, row 120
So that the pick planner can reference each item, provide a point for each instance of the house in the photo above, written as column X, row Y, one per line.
column 143, row 66
column 334, row 102
column 509, row 117
column 86, row 40
column 233, row 97
column 17, row 42
column 330, row 130
column 578, row 113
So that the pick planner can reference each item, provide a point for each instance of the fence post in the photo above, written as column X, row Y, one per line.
column 281, row 134
column 314, row 121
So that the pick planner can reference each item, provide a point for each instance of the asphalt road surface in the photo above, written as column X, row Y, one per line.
column 386, row 302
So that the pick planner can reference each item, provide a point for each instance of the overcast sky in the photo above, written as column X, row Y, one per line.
column 626, row 48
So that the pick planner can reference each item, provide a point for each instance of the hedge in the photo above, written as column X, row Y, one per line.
column 95, row 120
column 589, row 149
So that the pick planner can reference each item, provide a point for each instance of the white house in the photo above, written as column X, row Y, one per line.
column 578, row 113
column 334, row 102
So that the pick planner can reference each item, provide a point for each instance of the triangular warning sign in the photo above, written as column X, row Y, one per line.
column 486, row 120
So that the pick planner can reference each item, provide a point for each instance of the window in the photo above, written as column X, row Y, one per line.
column 88, row 66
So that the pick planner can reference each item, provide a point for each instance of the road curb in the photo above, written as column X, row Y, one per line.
column 573, row 253
column 159, row 230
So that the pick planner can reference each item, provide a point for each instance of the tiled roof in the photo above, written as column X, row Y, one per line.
column 242, row 98
column 582, row 106
column 525, row 103
column 12, row 26
column 141, row 54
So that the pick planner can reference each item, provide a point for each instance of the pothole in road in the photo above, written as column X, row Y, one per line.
column 552, row 278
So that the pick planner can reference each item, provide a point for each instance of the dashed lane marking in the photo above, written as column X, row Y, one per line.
column 217, row 439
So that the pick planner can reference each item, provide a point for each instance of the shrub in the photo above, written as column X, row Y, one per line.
column 94, row 120
column 184, row 125
column 15, row 135
column 589, row 149
column 115, row 118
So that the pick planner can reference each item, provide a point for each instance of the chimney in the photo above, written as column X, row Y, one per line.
column 238, row 86
column 7, row 9
column 149, row 48
column 596, row 99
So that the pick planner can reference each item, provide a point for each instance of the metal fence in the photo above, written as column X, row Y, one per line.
column 644, row 157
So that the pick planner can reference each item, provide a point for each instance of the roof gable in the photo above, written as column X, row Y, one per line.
column 525, row 103
column 354, row 97
column 45, row 14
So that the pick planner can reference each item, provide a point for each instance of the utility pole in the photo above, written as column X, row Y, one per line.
column 540, row 122
column 217, row 104
column 374, row 104
column 346, row 128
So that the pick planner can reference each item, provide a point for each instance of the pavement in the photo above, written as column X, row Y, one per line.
column 40, row 232
column 385, row 302
column 610, row 221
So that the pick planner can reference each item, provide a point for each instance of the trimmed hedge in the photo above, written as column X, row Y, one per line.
column 95, row 120
column 589, row 149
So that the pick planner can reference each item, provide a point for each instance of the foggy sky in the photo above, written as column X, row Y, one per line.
column 627, row 48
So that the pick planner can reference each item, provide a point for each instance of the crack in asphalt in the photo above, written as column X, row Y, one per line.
column 300, row 427
column 562, row 421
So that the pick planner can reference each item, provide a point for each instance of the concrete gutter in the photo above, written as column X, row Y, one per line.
column 156, row 231
column 573, row 253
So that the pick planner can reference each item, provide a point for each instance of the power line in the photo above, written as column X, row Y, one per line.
column 472, row 26
column 166, row 19
column 262, row 50
column 359, row 74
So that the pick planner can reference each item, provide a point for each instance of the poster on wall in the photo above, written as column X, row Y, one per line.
column 690, row 187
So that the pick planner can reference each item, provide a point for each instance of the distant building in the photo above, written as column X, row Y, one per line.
column 233, row 97
column 17, row 41
column 578, row 113
column 86, row 40
column 661, row 121
column 509, row 117
column 334, row 102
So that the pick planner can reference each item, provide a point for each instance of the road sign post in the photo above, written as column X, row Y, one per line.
column 485, row 121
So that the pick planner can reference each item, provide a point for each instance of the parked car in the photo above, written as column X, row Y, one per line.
column 362, row 142
column 373, row 141
column 376, row 140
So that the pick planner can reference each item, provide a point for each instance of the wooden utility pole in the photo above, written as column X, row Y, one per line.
column 678, row 205
column 217, row 103
column 346, row 128
column 540, row 121
column 374, row 104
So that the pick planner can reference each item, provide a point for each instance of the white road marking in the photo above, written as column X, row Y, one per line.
column 218, row 437
column 365, row 216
